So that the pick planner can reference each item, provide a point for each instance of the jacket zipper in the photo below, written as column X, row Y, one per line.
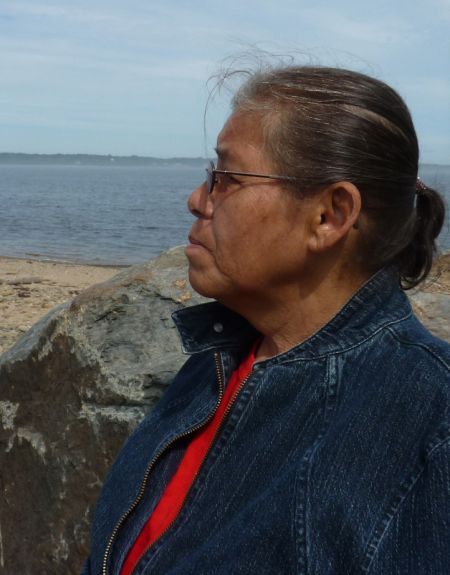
column 140, row 495
column 225, row 413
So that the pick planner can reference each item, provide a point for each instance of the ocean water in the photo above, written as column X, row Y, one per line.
column 94, row 214
column 110, row 214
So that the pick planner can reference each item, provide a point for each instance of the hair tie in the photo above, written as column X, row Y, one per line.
column 421, row 188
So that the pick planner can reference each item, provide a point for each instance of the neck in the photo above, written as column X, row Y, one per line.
column 291, row 315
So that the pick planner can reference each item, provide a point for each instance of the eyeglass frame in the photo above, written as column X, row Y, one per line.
column 211, row 171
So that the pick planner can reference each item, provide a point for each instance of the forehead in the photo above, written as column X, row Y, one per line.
column 241, row 140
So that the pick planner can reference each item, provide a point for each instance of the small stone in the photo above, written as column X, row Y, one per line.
column 186, row 296
column 180, row 284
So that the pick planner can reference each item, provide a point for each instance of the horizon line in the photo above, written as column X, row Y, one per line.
column 134, row 156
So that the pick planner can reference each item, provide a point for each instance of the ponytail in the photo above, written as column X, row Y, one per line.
column 416, row 259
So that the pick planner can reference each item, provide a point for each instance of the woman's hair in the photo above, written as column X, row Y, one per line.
column 325, row 125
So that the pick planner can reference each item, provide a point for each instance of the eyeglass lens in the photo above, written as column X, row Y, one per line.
column 210, row 177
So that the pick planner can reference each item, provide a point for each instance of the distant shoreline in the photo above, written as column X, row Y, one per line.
column 10, row 158
column 13, row 158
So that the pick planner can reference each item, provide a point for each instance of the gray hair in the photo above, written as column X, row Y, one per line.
column 325, row 125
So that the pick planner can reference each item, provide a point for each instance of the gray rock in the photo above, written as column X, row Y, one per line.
column 433, row 310
column 71, row 390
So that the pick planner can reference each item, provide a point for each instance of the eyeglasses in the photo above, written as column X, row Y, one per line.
column 211, row 173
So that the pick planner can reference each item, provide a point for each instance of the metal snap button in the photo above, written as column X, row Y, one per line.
column 218, row 327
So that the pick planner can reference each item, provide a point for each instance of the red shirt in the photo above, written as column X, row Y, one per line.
column 173, row 497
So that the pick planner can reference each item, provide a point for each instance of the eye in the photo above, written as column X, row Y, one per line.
column 229, row 180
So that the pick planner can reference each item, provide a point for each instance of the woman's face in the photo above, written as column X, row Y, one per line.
column 250, row 234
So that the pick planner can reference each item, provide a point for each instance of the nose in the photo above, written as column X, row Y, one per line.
column 199, row 203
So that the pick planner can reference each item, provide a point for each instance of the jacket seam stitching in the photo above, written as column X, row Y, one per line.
column 329, row 405
column 420, row 345
column 395, row 508
column 351, row 347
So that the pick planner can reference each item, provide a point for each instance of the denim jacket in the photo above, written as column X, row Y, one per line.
column 334, row 458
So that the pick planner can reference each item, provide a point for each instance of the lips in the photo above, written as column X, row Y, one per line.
column 194, row 241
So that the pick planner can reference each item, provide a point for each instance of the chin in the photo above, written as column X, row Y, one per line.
column 209, row 283
column 220, row 291
column 201, row 285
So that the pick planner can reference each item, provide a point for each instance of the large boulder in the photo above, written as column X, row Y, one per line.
column 71, row 390
column 433, row 310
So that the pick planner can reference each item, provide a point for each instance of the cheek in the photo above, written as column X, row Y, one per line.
column 245, row 250
column 235, row 240
column 259, row 244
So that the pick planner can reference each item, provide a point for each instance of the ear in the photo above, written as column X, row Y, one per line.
column 335, row 215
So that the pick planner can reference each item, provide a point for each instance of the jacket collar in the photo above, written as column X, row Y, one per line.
column 377, row 304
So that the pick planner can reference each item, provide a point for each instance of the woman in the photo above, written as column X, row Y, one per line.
column 309, row 430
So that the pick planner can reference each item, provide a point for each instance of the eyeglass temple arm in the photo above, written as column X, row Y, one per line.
column 271, row 176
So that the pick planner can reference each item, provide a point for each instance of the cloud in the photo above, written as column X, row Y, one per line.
column 127, row 64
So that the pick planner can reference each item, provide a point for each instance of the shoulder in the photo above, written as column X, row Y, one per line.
column 399, row 379
column 420, row 373
column 422, row 362
column 415, row 340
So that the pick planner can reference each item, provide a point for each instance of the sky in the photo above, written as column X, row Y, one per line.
column 127, row 77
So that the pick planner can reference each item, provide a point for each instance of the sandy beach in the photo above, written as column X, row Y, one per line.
column 28, row 289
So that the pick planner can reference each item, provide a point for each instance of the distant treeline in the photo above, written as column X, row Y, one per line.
column 109, row 160
column 97, row 160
